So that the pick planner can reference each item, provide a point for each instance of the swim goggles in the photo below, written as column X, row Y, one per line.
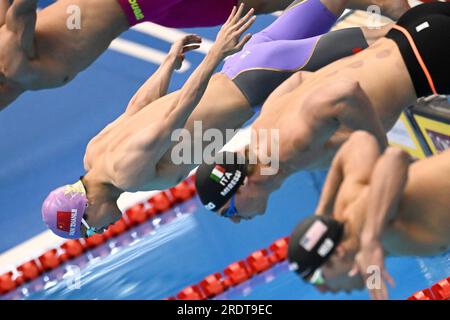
column 231, row 211
column 90, row 231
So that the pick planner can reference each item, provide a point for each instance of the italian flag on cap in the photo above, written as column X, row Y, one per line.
column 217, row 173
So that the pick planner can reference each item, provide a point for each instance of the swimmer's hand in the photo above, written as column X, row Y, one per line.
column 229, row 40
column 369, row 262
column 179, row 48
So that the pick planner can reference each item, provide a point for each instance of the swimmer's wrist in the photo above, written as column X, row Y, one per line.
column 171, row 59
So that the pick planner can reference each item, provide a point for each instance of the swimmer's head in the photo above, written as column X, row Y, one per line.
column 218, row 182
column 312, row 243
column 322, row 251
column 69, row 213
column 63, row 210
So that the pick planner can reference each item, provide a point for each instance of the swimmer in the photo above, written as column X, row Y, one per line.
column 125, row 155
column 39, row 51
column 222, row 106
column 316, row 112
column 373, row 204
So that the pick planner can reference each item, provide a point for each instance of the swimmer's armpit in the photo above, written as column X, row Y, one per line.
column 21, row 20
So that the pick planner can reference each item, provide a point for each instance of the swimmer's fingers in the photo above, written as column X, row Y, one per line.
column 353, row 271
column 243, row 29
column 382, row 293
column 246, row 26
column 231, row 16
column 238, row 14
column 388, row 278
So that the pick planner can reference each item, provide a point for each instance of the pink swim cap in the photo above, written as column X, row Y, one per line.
column 63, row 210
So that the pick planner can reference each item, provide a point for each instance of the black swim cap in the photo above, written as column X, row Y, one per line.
column 216, row 183
column 312, row 243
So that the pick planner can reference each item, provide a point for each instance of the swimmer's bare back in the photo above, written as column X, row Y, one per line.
column 293, row 114
column 389, row 93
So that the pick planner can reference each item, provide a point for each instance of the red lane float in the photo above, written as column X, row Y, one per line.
column 29, row 270
column 72, row 248
column 94, row 241
column 119, row 227
column 136, row 214
column 422, row 295
column 191, row 293
column 181, row 192
column 7, row 283
column 212, row 285
column 259, row 261
column 19, row 280
column 151, row 212
column 237, row 272
column 49, row 260
column 160, row 202
column 279, row 249
column 441, row 290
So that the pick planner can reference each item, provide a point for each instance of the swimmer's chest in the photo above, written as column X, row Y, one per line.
column 423, row 217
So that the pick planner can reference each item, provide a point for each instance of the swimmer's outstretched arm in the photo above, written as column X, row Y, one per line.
column 387, row 183
column 228, row 42
column 156, row 86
